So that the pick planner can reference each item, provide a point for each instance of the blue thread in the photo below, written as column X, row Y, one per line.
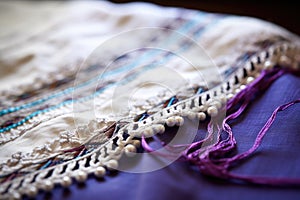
column 144, row 116
column 200, row 90
column 171, row 101
column 113, row 72
column 84, row 98
column 84, row 151
column 46, row 165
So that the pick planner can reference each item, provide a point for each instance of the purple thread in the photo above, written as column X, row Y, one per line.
column 213, row 160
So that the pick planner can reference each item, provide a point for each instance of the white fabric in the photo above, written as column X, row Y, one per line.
column 39, row 39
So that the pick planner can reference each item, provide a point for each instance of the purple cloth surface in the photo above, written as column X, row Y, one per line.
column 278, row 156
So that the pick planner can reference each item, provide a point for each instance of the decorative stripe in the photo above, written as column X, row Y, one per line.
column 114, row 72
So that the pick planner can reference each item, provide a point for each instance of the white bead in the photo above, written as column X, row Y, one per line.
column 148, row 132
column 81, row 176
column 268, row 65
column 112, row 164
column 201, row 116
column 191, row 115
column 250, row 79
column 229, row 96
column 237, row 90
column 212, row 111
column 48, row 185
column 170, row 121
column 179, row 121
column 130, row 150
column 99, row 172
column 31, row 191
column 16, row 195
column 160, row 129
column 66, row 181
column 242, row 87
column 136, row 143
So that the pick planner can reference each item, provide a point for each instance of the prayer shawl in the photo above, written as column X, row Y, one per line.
column 91, row 88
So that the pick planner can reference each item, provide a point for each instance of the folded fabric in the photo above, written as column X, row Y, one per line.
column 89, row 87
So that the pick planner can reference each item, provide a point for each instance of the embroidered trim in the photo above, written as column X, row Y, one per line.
column 97, row 160
column 30, row 119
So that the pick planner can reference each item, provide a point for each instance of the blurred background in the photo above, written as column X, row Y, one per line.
column 284, row 13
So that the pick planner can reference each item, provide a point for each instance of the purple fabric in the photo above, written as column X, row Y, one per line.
column 215, row 160
column 278, row 156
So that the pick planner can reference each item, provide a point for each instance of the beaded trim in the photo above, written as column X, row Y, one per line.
column 124, row 137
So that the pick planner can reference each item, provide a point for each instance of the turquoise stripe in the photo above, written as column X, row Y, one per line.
column 130, row 66
column 46, row 165
column 147, row 55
